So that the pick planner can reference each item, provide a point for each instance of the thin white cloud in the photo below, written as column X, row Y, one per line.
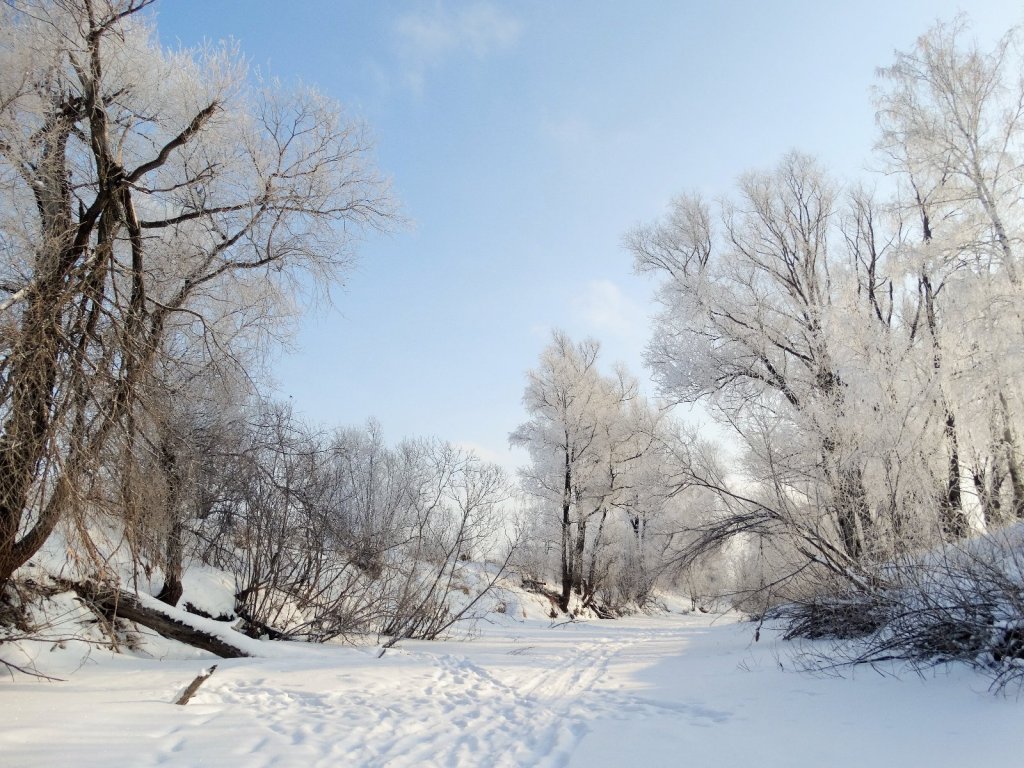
column 426, row 38
column 604, row 308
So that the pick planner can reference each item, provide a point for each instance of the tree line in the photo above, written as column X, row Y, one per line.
column 859, row 342
column 162, row 215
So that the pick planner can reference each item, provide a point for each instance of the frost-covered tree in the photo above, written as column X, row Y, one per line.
column 152, row 204
column 864, row 351
column 596, row 467
column 562, row 396
column 951, row 117
column 749, row 325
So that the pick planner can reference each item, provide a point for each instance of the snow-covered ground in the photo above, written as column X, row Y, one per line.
column 650, row 691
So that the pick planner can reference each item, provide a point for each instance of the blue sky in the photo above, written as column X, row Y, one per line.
column 524, row 139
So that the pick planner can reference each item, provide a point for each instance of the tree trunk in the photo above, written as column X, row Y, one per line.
column 848, row 505
column 954, row 521
column 171, row 591
column 1012, row 466
column 567, row 578
column 591, row 585
column 116, row 604
column 27, row 429
column 952, row 518
column 577, row 556
column 846, row 519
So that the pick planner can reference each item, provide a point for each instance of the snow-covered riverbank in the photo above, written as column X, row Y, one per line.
column 664, row 691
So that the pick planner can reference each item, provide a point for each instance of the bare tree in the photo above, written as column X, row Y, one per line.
column 596, row 468
column 747, row 324
column 561, row 397
column 951, row 118
column 150, row 202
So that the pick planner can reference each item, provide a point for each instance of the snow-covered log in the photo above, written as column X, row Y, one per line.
column 117, row 604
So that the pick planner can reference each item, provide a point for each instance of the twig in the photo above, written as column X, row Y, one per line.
column 29, row 672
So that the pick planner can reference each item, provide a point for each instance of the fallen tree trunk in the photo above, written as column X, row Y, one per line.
column 114, row 603
column 257, row 627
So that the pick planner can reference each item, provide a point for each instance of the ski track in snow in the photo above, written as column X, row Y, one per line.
column 454, row 717
column 462, row 712
column 658, row 692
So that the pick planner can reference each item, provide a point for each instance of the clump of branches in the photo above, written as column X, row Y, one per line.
column 962, row 603
column 337, row 535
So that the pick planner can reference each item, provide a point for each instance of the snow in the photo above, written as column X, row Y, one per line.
column 208, row 589
column 648, row 691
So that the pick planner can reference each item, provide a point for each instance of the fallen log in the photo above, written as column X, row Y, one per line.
column 256, row 628
column 112, row 603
